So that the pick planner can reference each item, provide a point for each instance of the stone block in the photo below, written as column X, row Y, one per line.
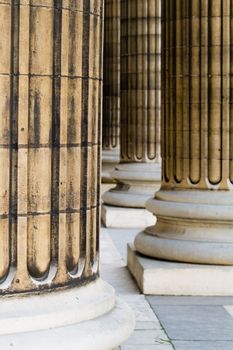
column 120, row 217
column 160, row 277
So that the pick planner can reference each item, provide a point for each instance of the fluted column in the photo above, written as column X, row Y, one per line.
column 195, row 204
column 49, row 143
column 138, row 174
column 50, row 108
column 111, row 89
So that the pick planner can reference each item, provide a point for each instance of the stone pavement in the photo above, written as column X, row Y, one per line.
column 165, row 322
column 148, row 334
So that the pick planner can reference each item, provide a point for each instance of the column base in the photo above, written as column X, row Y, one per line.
column 116, row 217
column 110, row 159
column 192, row 226
column 85, row 318
column 158, row 277
column 136, row 183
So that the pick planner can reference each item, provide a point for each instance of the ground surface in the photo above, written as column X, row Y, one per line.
column 165, row 323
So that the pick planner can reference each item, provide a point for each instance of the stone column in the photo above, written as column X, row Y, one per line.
column 195, row 204
column 50, row 83
column 111, row 89
column 138, row 174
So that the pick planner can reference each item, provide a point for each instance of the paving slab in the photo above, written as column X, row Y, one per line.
column 189, row 300
column 147, row 347
column 148, row 337
column 203, row 345
column 192, row 322
column 140, row 325
column 121, row 237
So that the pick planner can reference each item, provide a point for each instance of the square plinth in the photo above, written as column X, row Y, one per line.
column 158, row 277
column 121, row 217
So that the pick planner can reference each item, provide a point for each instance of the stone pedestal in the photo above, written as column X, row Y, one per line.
column 138, row 174
column 194, row 206
column 51, row 295
column 134, row 185
column 120, row 217
column 66, row 318
column 162, row 277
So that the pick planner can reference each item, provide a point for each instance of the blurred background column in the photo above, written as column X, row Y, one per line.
column 138, row 174
column 111, row 91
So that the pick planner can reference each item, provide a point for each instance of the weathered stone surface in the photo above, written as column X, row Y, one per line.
column 50, row 139
column 50, row 72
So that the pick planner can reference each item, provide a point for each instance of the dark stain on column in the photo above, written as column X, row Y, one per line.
column 37, row 120
column 84, row 124
column 57, row 30
column 13, row 130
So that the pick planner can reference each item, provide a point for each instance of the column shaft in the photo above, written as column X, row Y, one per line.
column 138, row 173
column 197, row 112
column 140, row 81
column 50, row 74
column 111, row 75
column 111, row 88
